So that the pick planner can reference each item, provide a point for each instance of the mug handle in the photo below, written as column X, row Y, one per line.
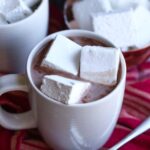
column 17, row 121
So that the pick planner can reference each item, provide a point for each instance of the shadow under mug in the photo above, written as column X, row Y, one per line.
column 79, row 126
column 19, row 38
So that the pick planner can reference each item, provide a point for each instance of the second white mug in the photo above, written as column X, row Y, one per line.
column 18, row 39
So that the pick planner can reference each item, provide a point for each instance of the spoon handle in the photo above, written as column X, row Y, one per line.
column 144, row 126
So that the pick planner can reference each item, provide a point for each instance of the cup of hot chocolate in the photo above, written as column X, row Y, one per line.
column 23, row 23
column 66, row 117
column 122, row 23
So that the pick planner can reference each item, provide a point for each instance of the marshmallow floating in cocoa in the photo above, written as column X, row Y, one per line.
column 31, row 3
column 20, row 12
column 16, row 10
column 117, row 27
column 2, row 20
column 82, row 11
column 63, row 55
column 129, row 28
column 99, row 64
column 64, row 90
column 125, row 23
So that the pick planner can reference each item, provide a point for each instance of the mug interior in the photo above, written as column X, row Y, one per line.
column 73, row 33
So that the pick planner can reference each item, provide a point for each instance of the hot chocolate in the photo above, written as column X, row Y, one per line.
column 97, row 91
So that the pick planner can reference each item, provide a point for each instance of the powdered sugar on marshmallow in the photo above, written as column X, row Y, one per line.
column 64, row 90
column 31, row 3
column 127, row 4
column 2, row 20
column 15, row 10
column 128, row 28
column 141, row 19
column 117, row 27
column 20, row 12
column 103, row 64
column 8, row 5
column 63, row 55
column 82, row 11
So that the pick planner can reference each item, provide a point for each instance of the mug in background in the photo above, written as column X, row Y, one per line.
column 19, row 38
column 77, row 127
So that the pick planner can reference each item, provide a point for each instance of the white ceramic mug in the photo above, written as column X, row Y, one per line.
column 18, row 39
column 76, row 127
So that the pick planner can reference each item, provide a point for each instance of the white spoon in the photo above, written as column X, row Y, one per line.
column 144, row 126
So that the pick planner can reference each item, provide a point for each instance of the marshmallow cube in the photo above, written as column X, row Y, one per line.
column 14, row 10
column 17, row 14
column 82, row 11
column 8, row 5
column 117, row 27
column 2, row 20
column 99, row 64
column 31, row 3
column 63, row 55
column 126, row 4
column 141, row 19
column 64, row 90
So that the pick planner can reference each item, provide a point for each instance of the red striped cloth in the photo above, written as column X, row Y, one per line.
column 136, row 108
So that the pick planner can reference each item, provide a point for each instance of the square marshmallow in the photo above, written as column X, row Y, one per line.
column 126, row 4
column 31, row 3
column 82, row 11
column 2, row 20
column 99, row 64
column 141, row 19
column 14, row 10
column 64, row 90
column 17, row 14
column 8, row 5
column 63, row 55
column 117, row 27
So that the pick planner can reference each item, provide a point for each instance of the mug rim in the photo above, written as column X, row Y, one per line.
column 25, row 19
column 73, row 32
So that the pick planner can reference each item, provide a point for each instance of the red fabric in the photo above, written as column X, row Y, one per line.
column 136, row 108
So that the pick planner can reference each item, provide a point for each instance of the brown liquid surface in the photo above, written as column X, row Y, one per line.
column 97, row 91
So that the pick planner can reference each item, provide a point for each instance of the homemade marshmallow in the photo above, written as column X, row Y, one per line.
column 64, row 90
column 2, row 20
column 99, row 64
column 141, row 19
column 31, row 3
column 82, row 11
column 126, row 4
column 19, row 13
column 63, row 55
column 15, row 10
column 8, row 5
column 117, row 27
column 128, row 28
